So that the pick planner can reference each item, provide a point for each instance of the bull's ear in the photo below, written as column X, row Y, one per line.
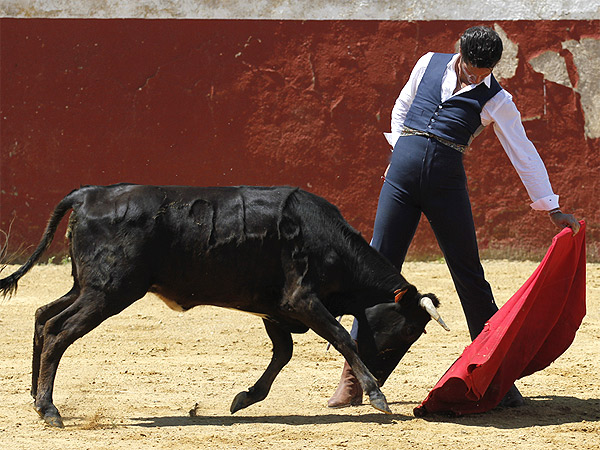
column 399, row 294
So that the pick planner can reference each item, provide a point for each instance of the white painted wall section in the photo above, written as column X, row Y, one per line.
column 307, row 9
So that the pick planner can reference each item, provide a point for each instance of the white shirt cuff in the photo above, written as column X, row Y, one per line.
column 546, row 203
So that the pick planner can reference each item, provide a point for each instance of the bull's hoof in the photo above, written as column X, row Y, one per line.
column 247, row 398
column 240, row 401
column 379, row 402
column 54, row 421
column 51, row 418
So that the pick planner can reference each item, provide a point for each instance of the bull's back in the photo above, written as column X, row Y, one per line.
column 200, row 245
column 209, row 216
column 225, row 245
column 220, row 215
column 192, row 245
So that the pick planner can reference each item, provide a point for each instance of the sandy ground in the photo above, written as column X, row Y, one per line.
column 132, row 382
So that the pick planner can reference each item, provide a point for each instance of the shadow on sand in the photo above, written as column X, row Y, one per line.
column 537, row 411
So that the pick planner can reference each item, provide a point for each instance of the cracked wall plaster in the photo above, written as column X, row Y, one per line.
column 585, row 56
column 507, row 67
column 553, row 67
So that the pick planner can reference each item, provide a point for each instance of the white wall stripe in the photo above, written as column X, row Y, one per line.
column 307, row 9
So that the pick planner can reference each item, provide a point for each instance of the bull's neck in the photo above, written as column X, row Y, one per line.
column 374, row 270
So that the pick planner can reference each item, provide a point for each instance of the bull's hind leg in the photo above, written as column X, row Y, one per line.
column 42, row 315
column 307, row 308
column 282, row 353
column 88, row 311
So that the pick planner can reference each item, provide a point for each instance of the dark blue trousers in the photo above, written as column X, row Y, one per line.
column 426, row 176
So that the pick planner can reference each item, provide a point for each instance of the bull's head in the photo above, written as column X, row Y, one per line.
column 389, row 329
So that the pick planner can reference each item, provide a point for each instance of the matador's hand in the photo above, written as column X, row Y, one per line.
column 562, row 220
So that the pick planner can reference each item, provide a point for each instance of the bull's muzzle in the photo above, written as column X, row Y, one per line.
column 427, row 304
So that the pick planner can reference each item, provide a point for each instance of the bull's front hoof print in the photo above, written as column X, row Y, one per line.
column 379, row 402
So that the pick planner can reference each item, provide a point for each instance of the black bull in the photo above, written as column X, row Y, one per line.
column 281, row 253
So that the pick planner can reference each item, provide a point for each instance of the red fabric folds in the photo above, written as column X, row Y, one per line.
column 527, row 334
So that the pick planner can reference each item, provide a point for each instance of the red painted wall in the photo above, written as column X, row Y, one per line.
column 266, row 102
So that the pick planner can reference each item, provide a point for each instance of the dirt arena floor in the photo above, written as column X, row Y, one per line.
column 131, row 383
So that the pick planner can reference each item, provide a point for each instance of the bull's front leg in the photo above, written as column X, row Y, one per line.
column 282, row 353
column 306, row 307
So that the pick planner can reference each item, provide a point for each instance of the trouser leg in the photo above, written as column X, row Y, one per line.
column 395, row 224
column 448, row 210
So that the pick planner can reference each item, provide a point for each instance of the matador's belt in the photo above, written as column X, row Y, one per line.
column 406, row 131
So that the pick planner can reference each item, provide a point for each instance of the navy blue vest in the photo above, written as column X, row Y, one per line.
column 458, row 118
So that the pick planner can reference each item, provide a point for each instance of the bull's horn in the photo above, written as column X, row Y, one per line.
column 427, row 304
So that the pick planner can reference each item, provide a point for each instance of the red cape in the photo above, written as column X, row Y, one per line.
column 527, row 334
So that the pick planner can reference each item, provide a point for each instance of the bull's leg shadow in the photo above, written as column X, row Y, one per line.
column 282, row 353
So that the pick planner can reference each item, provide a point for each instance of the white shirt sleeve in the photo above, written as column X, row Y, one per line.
column 406, row 98
column 502, row 112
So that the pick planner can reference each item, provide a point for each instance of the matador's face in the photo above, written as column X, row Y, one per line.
column 470, row 74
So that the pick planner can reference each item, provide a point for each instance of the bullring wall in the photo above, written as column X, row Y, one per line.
column 229, row 101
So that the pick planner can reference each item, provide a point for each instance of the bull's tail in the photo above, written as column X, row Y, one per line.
column 8, row 285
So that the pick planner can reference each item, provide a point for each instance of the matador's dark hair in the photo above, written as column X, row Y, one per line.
column 481, row 46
